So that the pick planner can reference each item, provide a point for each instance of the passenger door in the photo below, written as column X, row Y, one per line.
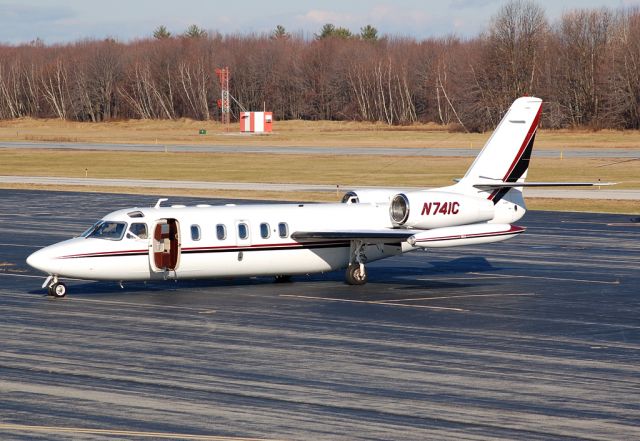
column 164, row 249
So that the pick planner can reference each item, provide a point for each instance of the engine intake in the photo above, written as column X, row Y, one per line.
column 399, row 209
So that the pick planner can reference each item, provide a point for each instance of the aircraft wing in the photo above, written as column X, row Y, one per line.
column 370, row 236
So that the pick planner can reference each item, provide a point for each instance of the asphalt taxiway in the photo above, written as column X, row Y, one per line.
column 534, row 338
column 629, row 153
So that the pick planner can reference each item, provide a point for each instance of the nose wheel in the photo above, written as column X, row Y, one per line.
column 56, row 289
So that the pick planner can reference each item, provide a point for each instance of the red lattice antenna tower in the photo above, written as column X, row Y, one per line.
column 224, row 102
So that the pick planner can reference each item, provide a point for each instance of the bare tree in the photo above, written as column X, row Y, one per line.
column 586, row 66
column 510, row 59
column 583, row 37
column 55, row 86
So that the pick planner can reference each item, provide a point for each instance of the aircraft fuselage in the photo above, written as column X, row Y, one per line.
column 216, row 241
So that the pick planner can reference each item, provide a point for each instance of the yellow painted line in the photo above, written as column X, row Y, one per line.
column 414, row 299
column 208, row 311
column 604, row 282
column 373, row 302
column 89, row 431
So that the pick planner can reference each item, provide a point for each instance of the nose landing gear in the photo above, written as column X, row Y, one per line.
column 55, row 288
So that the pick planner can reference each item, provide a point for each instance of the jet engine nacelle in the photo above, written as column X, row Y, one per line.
column 435, row 209
column 369, row 196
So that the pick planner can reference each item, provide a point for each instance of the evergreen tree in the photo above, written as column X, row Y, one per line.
column 342, row 33
column 161, row 32
column 280, row 33
column 194, row 31
column 369, row 33
column 329, row 30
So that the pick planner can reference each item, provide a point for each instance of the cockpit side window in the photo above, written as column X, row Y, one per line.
column 89, row 230
column 137, row 231
column 107, row 230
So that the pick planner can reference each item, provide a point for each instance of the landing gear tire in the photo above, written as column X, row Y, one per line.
column 58, row 290
column 356, row 274
column 283, row 279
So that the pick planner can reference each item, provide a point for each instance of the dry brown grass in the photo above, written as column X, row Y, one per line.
column 316, row 169
column 291, row 133
column 324, row 169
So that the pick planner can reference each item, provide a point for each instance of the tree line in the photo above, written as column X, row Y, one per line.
column 585, row 65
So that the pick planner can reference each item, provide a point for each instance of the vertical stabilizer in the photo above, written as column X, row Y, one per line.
column 505, row 157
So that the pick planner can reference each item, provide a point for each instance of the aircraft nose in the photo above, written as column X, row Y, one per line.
column 42, row 261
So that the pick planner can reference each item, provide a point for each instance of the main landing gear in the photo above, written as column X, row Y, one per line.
column 55, row 288
column 356, row 273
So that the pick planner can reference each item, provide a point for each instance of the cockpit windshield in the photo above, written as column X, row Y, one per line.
column 106, row 230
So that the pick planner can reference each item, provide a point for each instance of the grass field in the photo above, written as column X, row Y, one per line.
column 321, row 169
column 318, row 169
column 292, row 133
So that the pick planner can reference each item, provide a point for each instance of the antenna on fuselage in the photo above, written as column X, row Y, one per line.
column 160, row 201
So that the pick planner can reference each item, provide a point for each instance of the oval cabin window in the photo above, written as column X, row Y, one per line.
column 283, row 230
column 264, row 231
column 221, row 232
column 243, row 231
column 195, row 232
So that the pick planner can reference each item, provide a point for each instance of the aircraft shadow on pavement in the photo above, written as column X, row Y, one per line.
column 461, row 265
column 382, row 273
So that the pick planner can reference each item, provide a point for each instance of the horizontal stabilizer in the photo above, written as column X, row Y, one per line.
column 498, row 185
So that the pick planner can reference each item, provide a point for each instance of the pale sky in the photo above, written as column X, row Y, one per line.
column 60, row 21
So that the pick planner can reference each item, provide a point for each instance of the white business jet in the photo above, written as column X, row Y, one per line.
column 281, row 240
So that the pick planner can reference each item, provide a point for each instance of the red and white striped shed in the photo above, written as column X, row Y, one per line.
column 256, row 122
